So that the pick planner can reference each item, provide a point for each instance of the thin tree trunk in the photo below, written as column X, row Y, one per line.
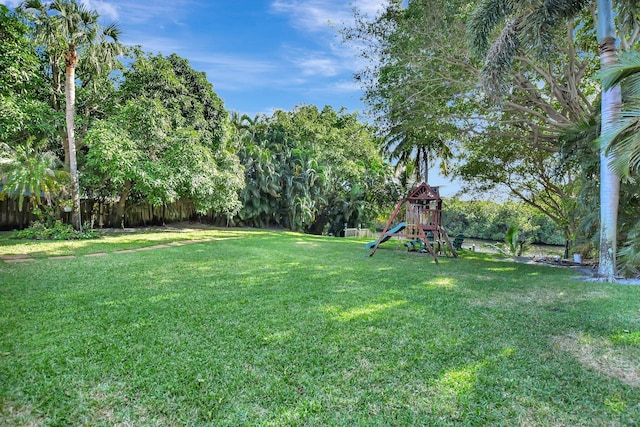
column 609, row 180
column 123, row 201
column 71, row 60
column 55, row 103
column 56, row 76
column 426, row 168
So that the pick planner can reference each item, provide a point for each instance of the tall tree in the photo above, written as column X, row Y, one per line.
column 532, row 26
column 623, row 143
column 24, row 111
column 430, row 88
column 68, row 30
column 412, row 80
column 167, row 139
column 609, row 179
column 415, row 151
column 18, row 60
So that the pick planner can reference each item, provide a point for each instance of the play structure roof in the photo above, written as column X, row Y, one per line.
column 424, row 192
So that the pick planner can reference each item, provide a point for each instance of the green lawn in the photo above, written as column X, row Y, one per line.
column 274, row 328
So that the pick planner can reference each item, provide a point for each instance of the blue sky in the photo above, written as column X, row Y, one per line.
column 260, row 55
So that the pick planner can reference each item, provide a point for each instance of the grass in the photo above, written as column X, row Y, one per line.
column 109, row 241
column 275, row 328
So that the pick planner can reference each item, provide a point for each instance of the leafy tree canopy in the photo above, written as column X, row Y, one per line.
column 311, row 170
column 23, row 113
column 167, row 140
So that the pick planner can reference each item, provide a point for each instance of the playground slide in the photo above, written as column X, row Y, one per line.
column 398, row 228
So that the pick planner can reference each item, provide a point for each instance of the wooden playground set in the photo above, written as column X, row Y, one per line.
column 422, row 225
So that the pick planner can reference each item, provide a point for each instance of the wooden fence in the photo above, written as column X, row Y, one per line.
column 13, row 218
column 358, row 232
column 103, row 214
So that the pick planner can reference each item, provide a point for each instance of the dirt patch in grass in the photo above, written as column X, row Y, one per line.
column 14, row 414
column 602, row 355
column 534, row 297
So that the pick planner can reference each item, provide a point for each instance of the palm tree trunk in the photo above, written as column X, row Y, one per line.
column 71, row 60
column 426, row 168
column 609, row 180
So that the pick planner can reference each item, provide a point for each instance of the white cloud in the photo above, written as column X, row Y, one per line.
column 346, row 86
column 313, row 15
column 322, row 15
column 370, row 7
column 236, row 71
column 233, row 72
column 152, row 43
column 104, row 9
column 327, row 16
column 235, row 63
column 144, row 11
column 329, row 58
column 319, row 66
column 139, row 11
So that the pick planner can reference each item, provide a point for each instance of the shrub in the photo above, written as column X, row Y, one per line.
column 58, row 231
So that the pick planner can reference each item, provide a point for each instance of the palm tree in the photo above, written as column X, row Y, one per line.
column 623, row 143
column 609, row 179
column 415, row 150
column 27, row 171
column 68, row 30
column 623, row 140
column 531, row 24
